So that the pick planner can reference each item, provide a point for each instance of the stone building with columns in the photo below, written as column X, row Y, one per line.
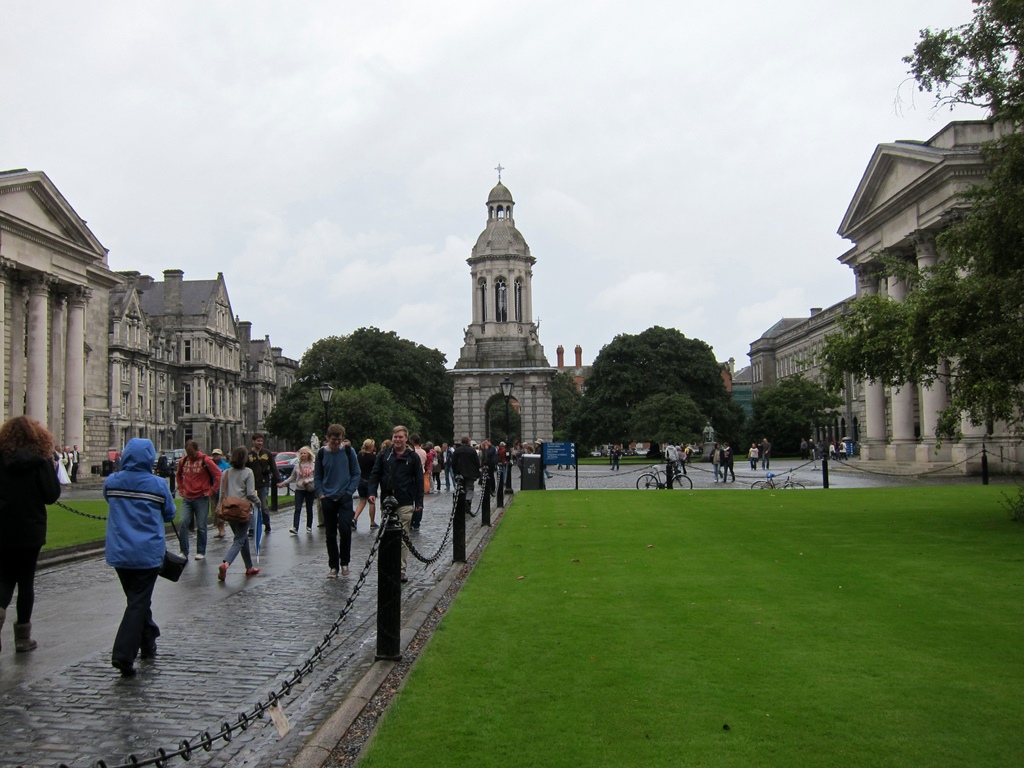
column 101, row 357
column 54, row 288
column 909, row 193
column 502, row 339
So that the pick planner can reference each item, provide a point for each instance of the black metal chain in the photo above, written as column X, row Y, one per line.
column 206, row 740
column 444, row 541
column 75, row 511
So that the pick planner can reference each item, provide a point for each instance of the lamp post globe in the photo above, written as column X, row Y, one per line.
column 326, row 393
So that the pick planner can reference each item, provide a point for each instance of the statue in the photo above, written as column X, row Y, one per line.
column 709, row 433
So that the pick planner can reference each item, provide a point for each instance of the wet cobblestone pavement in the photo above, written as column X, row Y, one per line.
column 223, row 647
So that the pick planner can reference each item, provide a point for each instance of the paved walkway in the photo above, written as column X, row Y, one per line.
column 225, row 646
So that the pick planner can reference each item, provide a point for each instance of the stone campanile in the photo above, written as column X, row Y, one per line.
column 503, row 338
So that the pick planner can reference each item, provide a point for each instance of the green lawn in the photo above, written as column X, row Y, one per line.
column 845, row 628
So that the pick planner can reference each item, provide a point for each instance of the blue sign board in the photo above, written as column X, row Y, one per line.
column 559, row 453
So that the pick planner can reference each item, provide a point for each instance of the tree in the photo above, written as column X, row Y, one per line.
column 633, row 368
column 961, row 322
column 665, row 419
column 565, row 396
column 790, row 410
column 415, row 375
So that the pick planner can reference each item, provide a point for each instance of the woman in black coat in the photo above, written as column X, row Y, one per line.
column 28, row 482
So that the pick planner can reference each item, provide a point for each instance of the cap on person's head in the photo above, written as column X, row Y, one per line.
column 501, row 444
column 217, row 452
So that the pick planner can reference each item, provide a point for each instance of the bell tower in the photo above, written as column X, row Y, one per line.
column 502, row 339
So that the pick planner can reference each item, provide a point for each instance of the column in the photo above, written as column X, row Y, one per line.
column 934, row 397
column 74, row 367
column 55, row 404
column 874, row 439
column 37, row 379
column 5, row 365
column 16, row 374
column 904, row 445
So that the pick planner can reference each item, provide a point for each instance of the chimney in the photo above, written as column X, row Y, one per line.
column 144, row 283
column 172, row 291
column 579, row 356
column 561, row 357
column 244, row 338
column 815, row 310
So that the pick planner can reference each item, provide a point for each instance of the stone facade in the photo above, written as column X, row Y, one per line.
column 502, row 339
column 100, row 357
column 909, row 193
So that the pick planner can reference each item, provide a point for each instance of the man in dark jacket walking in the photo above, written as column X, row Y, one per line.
column 398, row 472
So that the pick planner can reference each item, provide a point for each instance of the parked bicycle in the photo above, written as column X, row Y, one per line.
column 655, row 479
column 770, row 483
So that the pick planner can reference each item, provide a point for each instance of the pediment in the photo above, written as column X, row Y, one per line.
column 29, row 199
column 894, row 169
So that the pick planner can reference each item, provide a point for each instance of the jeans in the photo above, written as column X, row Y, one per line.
column 448, row 476
column 200, row 510
column 338, row 516
column 137, row 630
column 300, row 497
column 240, row 544
column 262, row 493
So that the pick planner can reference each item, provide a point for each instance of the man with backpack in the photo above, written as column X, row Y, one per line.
column 336, row 477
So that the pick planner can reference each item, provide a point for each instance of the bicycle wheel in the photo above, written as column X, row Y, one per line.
column 648, row 482
column 761, row 485
column 682, row 483
column 794, row 485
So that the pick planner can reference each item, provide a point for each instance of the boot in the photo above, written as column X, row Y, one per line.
column 23, row 637
column 3, row 615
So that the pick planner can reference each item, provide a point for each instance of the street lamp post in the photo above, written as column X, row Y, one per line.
column 326, row 392
column 506, row 392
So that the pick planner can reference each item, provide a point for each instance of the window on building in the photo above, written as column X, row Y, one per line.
column 518, row 299
column 483, row 299
column 186, row 350
column 186, row 398
column 500, row 300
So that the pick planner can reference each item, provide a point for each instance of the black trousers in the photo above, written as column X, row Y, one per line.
column 137, row 630
column 338, row 514
column 18, row 569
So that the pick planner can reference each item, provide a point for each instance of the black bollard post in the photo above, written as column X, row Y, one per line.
column 501, row 486
column 485, row 510
column 389, row 584
column 273, row 496
column 668, row 475
column 459, row 523
column 824, row 471
column 984, row 465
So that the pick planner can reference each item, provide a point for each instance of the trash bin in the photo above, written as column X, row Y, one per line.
column 108, row 467
column 529, row 476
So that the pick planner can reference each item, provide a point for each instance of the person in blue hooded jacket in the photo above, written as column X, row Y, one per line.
column 140, row 507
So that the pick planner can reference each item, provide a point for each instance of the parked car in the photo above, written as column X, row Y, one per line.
column 285, row 460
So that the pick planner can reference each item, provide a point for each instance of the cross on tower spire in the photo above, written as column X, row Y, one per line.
column 499, row 168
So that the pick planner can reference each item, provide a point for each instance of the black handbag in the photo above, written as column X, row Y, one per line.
column 173, row 563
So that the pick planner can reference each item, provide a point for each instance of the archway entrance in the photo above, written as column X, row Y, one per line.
column 496, row 428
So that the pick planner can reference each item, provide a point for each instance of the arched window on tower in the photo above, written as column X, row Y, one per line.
column 500, row 300
column 518, row 299
column 483, row 299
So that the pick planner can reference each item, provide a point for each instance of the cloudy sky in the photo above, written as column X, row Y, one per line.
column 674, row 163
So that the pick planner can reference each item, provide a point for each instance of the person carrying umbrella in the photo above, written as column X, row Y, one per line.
column 238, row 481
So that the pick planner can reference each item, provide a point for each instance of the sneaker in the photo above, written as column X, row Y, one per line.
column 345, row 571
column 354, row 525
column 332, row 574
column 292, row 531
column 222, row 572
column 374, row 525
column 405, row 579
column 200, row 556
column 126, row 668
column 148, row 651
column 183, row 554
column 252, row 571
column 309, row 530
